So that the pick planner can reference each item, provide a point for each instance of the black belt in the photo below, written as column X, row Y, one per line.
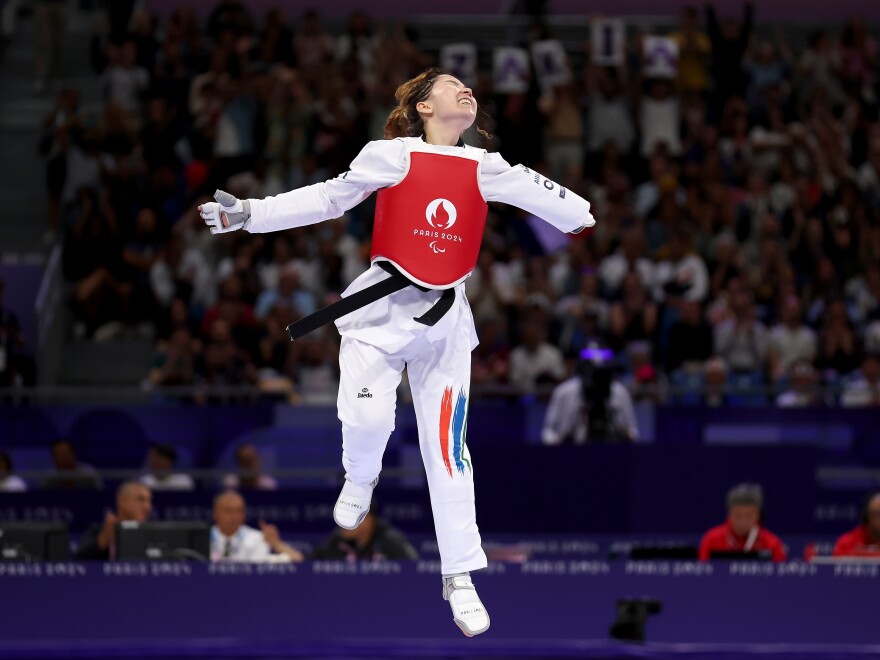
column 371, row 294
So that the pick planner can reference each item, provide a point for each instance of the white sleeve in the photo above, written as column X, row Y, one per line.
column 623, row 403
column 162, row 282
column 255, row 548
column 563, row 412
column 532, row 192
column 551, row 433
column 380, row 163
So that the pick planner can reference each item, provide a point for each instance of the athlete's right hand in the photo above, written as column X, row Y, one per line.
column 227, row 214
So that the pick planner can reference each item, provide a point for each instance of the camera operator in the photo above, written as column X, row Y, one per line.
column 592, row 406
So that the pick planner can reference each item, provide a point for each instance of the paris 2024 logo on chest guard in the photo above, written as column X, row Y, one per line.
column 441, row 214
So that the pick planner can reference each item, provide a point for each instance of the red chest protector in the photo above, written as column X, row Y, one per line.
column 430, row 225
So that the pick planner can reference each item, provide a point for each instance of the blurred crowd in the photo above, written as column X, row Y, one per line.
column 736, row 254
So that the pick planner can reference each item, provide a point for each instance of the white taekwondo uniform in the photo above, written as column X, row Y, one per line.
column 379, row 340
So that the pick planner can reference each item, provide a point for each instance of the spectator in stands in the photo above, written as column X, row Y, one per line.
column 817, row 69
column 373, row 539
column 858, row 57
column 838, row 350
column 288, row 294
column 591, row 406
column 125, row 82
column 563, row 132
column 9, row 483
column 313, row 47
column 232, row 308
column 629, row 257
column 60, row 126
column 161, row 459
column 92, row 261
column 690, row 338
column 317, row 370
column 864, row 290
column 741, row 340
column 682, row 274
column 138, row 256
column 134, row 502
column 804, row 391
column 182, row 272
column 634, row 316
column 791, row 341
column 229, row 20
column 176, row 360
column 769, row 68
column 68, row 471
column 660, row 120
column 642, row 379
column 224, row 362
column 715, row 383
column 865, row 391
column 610, row 115
column 535, row 361
column 50, row 20
column 490, row 364
column 16, row 366
column 864, row 540
column 250, row 475
column 232, row 540
column 694, row 51
column 742, row 531
column 729, row 43
column 276, row 40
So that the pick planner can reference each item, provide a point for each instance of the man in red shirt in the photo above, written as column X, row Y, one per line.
column 742, row 531
column 864, row 540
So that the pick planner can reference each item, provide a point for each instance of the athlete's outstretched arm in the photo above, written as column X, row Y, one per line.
column 380, row 163
column 535, row 193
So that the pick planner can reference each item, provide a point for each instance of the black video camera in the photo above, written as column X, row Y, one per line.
column 632, row 615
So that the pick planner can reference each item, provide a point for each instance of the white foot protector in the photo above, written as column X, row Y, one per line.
column 353, row 504
column 467, row 609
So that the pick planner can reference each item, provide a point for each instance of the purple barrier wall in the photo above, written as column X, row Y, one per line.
column 838, row 430
column 538, row 609
column 531, row 489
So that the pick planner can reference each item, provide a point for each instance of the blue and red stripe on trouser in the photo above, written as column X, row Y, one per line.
column 454, row 420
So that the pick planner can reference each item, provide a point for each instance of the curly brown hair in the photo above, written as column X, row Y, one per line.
column 405, row 120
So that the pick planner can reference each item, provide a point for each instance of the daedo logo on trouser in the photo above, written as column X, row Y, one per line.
column 453, row 432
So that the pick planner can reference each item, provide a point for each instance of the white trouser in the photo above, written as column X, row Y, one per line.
column 439, row 376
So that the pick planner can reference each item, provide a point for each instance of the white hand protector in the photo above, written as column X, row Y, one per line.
column 227, row 214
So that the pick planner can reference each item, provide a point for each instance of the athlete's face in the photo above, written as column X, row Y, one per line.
column 450, row 100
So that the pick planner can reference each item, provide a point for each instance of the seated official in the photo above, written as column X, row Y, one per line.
column 374, row 538
column 742, row 531
column 134, row 502
column 864, row 540
column 232, row 540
